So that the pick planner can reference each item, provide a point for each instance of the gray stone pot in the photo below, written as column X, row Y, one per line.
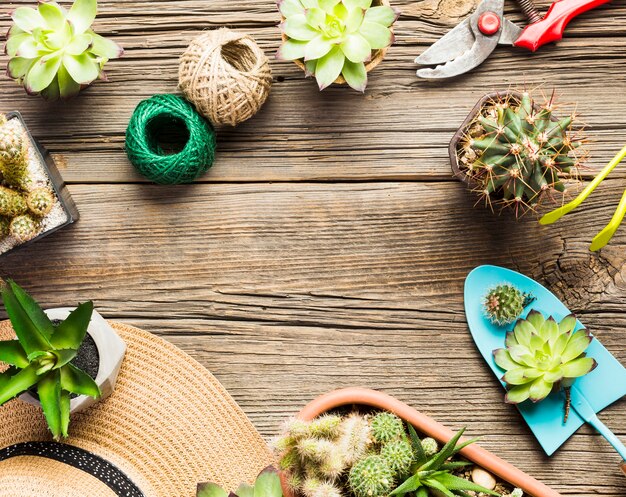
column 111, row 350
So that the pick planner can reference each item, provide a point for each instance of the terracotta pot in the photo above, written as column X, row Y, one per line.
column 427, row 426
column 377, row 55
column 111, row 350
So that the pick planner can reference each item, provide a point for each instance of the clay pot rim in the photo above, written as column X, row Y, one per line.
column 427, row 426
column 377, row 55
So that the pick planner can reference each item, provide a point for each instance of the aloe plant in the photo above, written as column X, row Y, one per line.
column 433, row 475
column 267, row 484
column 54, row 52
column 41, row 357
column 335, row 37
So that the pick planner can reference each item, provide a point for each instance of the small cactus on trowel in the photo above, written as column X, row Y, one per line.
column 504, row 304
column 514, row 152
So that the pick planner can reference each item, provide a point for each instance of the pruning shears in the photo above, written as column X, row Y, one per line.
column 604, row 237
column 472, row 41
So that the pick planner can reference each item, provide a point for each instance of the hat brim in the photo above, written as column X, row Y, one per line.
column 168, row 425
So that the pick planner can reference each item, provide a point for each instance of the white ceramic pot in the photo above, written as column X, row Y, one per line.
column 111, row 350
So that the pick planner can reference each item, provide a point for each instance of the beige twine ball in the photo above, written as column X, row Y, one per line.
column 225, row 75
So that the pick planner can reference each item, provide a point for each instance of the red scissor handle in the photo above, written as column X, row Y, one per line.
column 551, row 27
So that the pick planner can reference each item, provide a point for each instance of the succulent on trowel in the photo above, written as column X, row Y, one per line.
column 542, row 355
column 503, row 304
column 433, row 474
column 54, row 52
column 267, row 484
column 335, row 37
column 41, row 357
column 513, row 152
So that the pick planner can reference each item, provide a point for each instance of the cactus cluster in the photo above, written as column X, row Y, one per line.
column 514, row 151
column 22, row 206
column 341, row 456
column 504, row 304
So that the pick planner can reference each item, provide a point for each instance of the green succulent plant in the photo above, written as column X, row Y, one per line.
column 12, row 203
column 386, row 427
column 41, row 357
column 267, row 484
column 514, row 152
column 433, row 474
column 335, row 37
column 24, row 228
column 54, row 52
column 541, row 355
column 371, row 477
column 503, row 304
column 398, row 455
column 40, row 201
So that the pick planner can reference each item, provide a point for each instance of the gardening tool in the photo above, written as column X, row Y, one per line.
column 604, row 237
column 589, row 395
column 472, row 41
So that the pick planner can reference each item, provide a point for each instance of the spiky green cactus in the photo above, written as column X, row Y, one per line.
column 5, row 222
column 504, row 304
column 40, row 201
column 24, row 228
column 313, row 487
column 13, row 153
column 399, row 456
column 355, row 439
column 371, row 477
column 11, row 202
column 430, row 446
column 327, row 426
column 514, row 152
column 386, row 427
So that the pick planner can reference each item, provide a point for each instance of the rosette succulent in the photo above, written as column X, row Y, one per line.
column 541, row 355
column 54, row 52
column 335, row 37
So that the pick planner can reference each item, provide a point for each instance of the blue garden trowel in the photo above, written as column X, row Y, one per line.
column 589, row 395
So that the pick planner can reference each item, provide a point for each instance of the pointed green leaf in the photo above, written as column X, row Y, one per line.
column 27, row 19
column 17, row 383
column 576, row 345
column 518, row 394
column 78, row 382
column 432, row 483
column 539, row 390
column 65, row 412
column 12, row 353
column 446, row 451
column 340, row 11
column 28, row 49
column 42, row 73
column 452, row 482
column 82, row 68
column 522, row 355
column 5, row 378
column 360, row 4
column 568, row 323
column 104, row 47
column 79, row 44
column 82, row 14
column 418, row 449
column 328, row 5
column 553, row 376
column 354, row 20
column 455, row 465
column 18, row 67
column 70, row 333
column 291, row 50
column 267, row 484
column 36, row 314
column 381, row 15
column 52, row 14
column 536, row 319
column 30, row 336
column 523, row 332
column 290, row 8
column 579, row 367
column 317, row 48
column 64, row 356
column 550, row 330
column 503, row 359
column 516, row 377
column 51, row 92
column 377, row 35
column 315, row 17
column 409, row 485
column 49, row 391
column 244, row 490
column 309, row 68
column 329, row 67
column 356, row 48
column 14, row 42
column 210, row 490
column 510, row 340
column 355, row 75
column 296, row 27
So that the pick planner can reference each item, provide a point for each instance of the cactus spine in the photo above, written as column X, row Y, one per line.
column 515, row 151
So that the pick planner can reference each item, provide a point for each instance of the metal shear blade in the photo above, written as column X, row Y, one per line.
column 465, row 46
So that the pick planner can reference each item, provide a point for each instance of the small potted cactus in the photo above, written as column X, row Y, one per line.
column 336, row 41
column 513, row 152
column 33, row 199
column 358, row 442
column 53, row 52
column 63, row 360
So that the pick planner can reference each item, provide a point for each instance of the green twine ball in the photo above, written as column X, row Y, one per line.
column 169, row 114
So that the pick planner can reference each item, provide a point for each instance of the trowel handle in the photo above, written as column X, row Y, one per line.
column 610, row 437
column 623, row 466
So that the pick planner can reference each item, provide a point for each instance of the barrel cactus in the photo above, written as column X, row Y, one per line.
column 40, row 201
column 398, row 455
column 504, row 304
column 24, row 228
column 12, row 203
column 386, row 427
column 514, row 151
column 371, row 477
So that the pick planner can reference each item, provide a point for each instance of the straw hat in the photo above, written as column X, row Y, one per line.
column 168, row 426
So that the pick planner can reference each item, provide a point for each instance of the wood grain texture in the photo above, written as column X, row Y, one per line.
column 328, row 245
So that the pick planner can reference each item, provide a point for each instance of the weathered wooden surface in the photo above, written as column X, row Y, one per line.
column 328, row 245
